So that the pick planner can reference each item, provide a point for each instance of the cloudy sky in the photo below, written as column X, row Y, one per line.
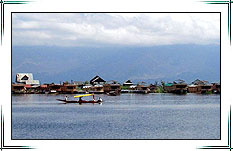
column 122, row 29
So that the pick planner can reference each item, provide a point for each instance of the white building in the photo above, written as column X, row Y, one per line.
column 26, row 78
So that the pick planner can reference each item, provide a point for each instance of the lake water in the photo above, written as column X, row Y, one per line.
column 128, row 116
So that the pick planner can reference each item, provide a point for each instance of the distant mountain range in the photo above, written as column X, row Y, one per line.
column 149, row 64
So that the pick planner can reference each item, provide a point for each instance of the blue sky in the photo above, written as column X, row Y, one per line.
column 125, row 29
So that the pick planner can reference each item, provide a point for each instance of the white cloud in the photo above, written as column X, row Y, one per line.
column 97, row 29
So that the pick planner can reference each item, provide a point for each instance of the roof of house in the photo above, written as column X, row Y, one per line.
column 200, row 82
column 97, row 79
column 112, row 82
column 179, row 81
column 214, row 83
column 128, row 82
column 168, row 84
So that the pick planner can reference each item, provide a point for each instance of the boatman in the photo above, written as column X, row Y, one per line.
column 80, row 99
column 66, row 97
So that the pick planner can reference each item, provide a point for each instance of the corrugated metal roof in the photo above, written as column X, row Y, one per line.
column 168, row 84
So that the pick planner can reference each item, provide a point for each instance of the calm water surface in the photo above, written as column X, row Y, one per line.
column 128, row 116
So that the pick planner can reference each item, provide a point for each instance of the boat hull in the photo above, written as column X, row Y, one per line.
column 80, row 102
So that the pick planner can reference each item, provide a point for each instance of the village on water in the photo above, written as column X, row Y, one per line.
column 25, row 84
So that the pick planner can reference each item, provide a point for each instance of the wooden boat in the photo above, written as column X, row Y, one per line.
column 67, row 101
column 75, row 101
column 80, row 101
column 84, row 101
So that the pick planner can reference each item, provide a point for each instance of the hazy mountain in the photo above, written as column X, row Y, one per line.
column 54, row 64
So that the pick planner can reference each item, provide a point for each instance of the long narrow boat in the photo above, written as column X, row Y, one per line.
column 83, row 101
column 67, row 101
column 80, row 99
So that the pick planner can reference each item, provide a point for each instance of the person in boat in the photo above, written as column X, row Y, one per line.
column 80, row 99
column 66, row 97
